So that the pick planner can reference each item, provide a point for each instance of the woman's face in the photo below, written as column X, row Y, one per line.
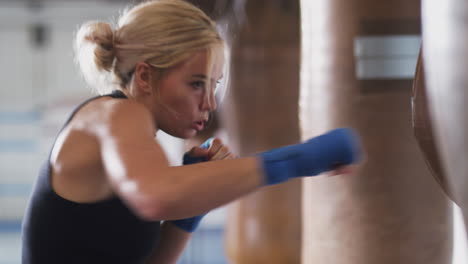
column 186, row 96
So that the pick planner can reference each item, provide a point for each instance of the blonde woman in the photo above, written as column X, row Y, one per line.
column 106, row 185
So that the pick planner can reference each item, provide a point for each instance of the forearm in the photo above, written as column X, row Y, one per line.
column 195, row 189
column 171, row 245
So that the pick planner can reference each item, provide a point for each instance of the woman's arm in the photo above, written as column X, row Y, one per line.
column 176, row 234
column 171, row 245
column 139, row 172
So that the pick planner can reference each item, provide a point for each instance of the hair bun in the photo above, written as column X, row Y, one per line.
column 102, row 35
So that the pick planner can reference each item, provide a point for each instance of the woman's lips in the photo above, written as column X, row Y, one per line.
column 199, row 125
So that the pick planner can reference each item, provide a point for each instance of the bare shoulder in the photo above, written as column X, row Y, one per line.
column 121, row 108
column 111, row 117
column 98, row 127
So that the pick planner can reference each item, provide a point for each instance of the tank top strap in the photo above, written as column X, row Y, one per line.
column 114, row 94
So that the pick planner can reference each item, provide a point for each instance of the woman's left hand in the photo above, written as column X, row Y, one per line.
column 212, row 149
column 219, row 151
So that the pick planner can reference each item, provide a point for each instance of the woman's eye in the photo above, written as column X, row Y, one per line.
column 218, row 84
column 198, row 85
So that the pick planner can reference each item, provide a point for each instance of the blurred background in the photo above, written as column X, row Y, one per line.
column 41, row 86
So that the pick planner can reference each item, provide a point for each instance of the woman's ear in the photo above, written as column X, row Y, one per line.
column 143, row 77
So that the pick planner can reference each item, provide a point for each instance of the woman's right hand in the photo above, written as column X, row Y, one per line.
column 335, row 152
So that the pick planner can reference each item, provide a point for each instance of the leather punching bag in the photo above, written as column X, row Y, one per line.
column 391, row 210
column 422, row 125
column 260, row 113
column 445, row 38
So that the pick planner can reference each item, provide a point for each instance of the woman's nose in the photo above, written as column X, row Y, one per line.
column 209, row 103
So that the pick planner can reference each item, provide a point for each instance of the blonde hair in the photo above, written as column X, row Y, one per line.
column 159, row 32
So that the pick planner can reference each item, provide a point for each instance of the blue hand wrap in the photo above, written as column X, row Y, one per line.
column 317, row 155
column 190, row 224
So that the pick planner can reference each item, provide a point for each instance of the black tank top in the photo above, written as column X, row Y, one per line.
column 58, row 231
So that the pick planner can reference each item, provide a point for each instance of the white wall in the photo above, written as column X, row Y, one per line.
column 40, row 86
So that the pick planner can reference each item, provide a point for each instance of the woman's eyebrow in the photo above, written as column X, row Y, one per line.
column 203, row 76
